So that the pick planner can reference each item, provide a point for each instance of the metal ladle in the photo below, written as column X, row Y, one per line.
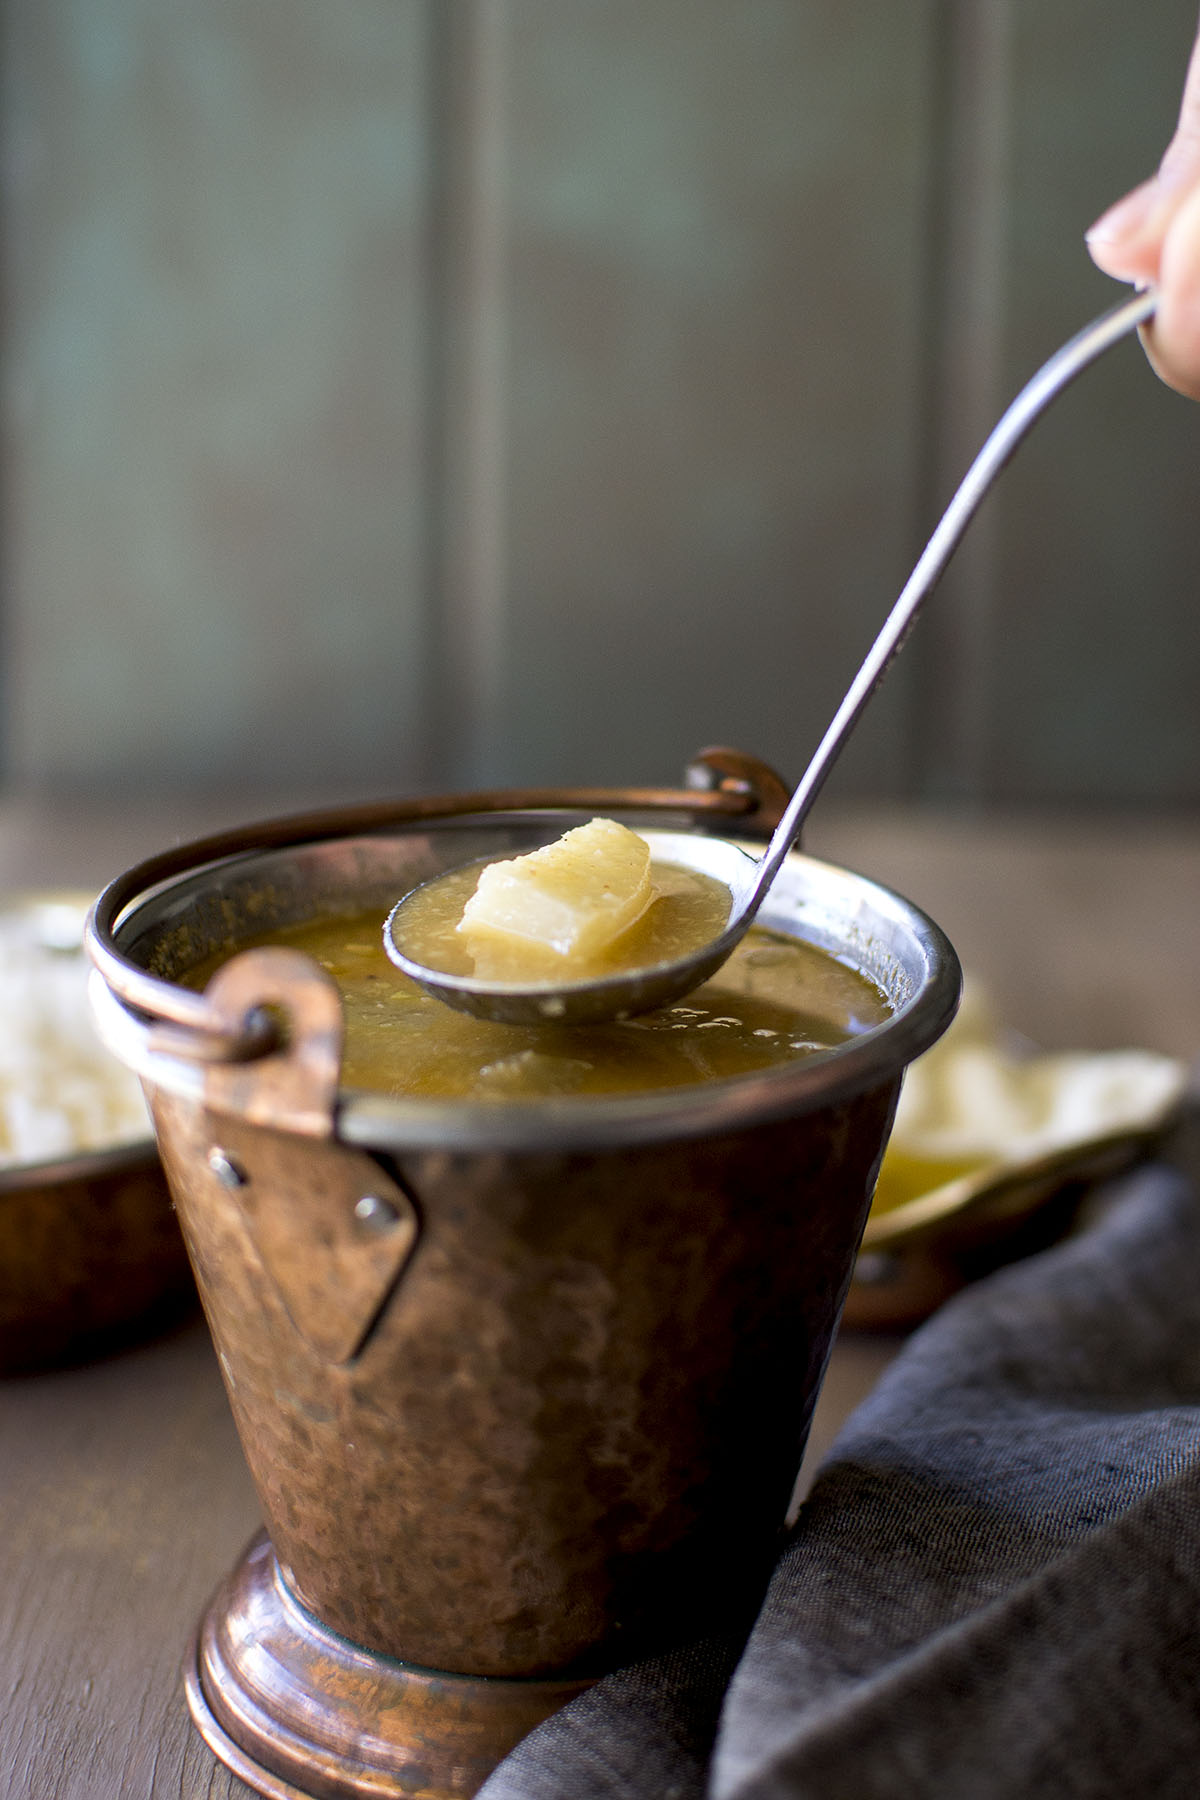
column 640, row 989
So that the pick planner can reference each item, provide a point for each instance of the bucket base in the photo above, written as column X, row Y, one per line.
column 299, row 1713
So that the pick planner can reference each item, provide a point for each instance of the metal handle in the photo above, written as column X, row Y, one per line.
column 164, row 1020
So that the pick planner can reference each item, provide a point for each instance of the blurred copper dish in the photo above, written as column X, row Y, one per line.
column 90, row 1253
column 913, row 1257
column 90, row 1257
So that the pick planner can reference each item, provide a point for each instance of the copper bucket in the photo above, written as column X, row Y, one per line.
column 523, row 1389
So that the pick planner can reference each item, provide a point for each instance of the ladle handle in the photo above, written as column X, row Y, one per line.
column 1035, row 396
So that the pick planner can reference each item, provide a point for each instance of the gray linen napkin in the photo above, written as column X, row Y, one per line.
column 994, row 1587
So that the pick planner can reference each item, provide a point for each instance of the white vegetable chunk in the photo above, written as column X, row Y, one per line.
column 574, row 897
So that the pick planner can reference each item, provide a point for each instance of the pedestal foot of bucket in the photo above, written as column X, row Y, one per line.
column 299, row 1713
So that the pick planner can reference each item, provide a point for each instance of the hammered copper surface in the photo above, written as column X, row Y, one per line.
column 574, row 1419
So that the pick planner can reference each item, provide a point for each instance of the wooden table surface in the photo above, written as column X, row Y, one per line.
column 123, row 1495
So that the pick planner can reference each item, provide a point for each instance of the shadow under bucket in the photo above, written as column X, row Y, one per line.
column 523, row 1388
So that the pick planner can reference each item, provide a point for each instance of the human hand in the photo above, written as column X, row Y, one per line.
column 1153, row 235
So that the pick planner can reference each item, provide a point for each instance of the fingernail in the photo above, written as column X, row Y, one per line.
column 1127, row 218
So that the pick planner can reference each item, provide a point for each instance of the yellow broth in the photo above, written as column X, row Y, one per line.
column 776, row 999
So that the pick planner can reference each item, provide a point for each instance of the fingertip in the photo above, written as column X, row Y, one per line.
column 1124, row 241
column 1126, row 216
column 1137, row 262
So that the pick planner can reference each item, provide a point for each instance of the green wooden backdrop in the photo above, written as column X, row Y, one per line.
column 400, row 393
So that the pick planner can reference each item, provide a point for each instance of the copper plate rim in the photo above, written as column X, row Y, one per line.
column 1011, row 1189
column 84, row 1165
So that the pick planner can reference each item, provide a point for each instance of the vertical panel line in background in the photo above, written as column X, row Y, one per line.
column 965, row 324
column 467, row 357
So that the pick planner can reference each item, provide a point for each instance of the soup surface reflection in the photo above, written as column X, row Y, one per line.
column 776, row 999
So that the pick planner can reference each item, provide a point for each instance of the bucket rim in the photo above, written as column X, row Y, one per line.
column 150, row 1022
